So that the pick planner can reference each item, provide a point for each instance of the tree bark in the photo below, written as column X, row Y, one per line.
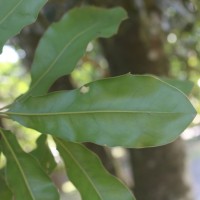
column 159, row 173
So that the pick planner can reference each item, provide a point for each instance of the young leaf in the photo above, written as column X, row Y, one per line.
column 24, row 176
column 64, row 43
column 5, row 193
column 15, row 14
column 88, row 174
column 129, row 111
column 43, row 154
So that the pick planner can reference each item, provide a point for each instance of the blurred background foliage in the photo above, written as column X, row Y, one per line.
column 178, row 26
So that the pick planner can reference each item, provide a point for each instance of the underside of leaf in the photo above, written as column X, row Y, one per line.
column 129, row 111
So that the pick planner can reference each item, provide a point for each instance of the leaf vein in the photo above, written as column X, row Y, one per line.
column 81, row 168
column 11, row 11
column 58, row 56
column 18, row 164
column 93, row 112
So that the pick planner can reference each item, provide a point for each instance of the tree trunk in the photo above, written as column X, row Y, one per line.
column 158, row 172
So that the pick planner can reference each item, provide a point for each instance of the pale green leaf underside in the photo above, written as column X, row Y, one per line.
column 25, row 177
column 129, row 111
column 64, row 43
column 88, row 174
column 15, row 14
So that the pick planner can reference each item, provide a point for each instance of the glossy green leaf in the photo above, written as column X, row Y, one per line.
column 5, row 192
column 15, row 14
column 43, row 154
column 184, row 85
column 88, row 174
column 130, row 111
column 64, row 43
column 24, row 176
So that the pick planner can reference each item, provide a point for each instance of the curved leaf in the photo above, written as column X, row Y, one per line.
column 64, row 43
column 15, row 14
column 43, row 154
column 24, row 175
column 88, row 174
column 130, row 111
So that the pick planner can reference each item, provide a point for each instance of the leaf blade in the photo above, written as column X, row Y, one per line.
column 24, row 169
column 184, row 85
column 5, row 192
column 88, row 174
column 20, row 11
column 67, row 41
column 130, row 111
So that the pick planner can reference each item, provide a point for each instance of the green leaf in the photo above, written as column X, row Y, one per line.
column 15, row 14
column 24, row 175
column 88, row 174
column 184, row 85
column 5, row 192
column 65, row 42
column 129, row 111
column 43, row 154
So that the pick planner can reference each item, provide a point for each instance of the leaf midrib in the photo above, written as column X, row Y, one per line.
column 94, row 112
column 11, row 11
column 58, row 56
column 81, row 168
column 18, row 164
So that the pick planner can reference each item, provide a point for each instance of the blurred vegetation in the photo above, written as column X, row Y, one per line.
column 14, row 81
column 92, row 66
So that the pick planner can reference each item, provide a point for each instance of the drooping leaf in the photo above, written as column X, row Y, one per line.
column 87, row 173
column 43, row 154
column 25, row 177
column 15, row 14
column 64, row 43
column 5, row 192
column 185, row 86
column 130, row 111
